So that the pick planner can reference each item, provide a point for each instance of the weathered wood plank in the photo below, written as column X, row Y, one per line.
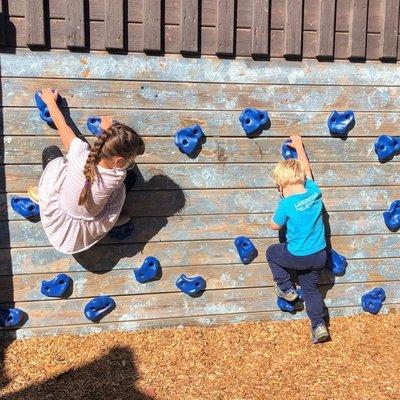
column 225, row 27
column 189, row 26
column 326, row 29
column 35, row 23
column 293, row 28
column 152, row 25
column 75, row 24
column 389, row 29
column 358, row 28
column 260, row 28
column 114, row 24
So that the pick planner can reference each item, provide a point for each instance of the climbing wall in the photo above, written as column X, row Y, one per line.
column 187, row 211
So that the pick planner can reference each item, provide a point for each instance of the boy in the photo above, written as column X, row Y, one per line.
column 300, row 209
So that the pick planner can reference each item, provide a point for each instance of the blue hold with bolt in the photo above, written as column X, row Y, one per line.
column 372, row 301
column 254, row 121
column 98, row 308
column 56, row 287
column 191, row 286
column 149, row 270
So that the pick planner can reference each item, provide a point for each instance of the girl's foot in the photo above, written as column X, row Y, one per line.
column 33, row 194
column 288, row 295
column 123, row 219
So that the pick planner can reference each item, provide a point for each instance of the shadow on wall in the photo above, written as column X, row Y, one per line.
column 113, row 376
column 103, row 257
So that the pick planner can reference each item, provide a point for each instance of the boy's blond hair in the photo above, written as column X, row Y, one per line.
column 289, row 172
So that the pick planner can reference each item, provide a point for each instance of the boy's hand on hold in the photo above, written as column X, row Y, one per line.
column 296, row 142
column 49, row 95
column 106, row 122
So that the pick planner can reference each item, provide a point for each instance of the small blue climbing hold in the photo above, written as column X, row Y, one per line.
column 93, row 124
column 191, row 286
column 392, row 216
column 254, row 121
column 246, row 249
column 336, row 263
column 287, row 151
column 56, row 287
column 386, row 147
column 372, row 300
column 190, row 139
column 122, row 232
column 25, row 207
column 148, row 271
column 41, row 105
column 11, row 317
column 290, row 306
column 341, row 123
column 99, row 307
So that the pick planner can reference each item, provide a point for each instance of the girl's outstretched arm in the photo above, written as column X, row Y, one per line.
column 66, row 133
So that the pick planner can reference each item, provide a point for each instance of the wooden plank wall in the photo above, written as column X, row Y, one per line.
column 356, row 29
column 188, row 211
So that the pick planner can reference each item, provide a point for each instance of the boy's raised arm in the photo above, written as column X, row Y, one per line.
column 297, row 144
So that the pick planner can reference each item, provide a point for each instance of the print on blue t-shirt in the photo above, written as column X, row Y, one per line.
column 302, row 214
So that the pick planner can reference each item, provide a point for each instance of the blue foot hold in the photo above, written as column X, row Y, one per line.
column 254, row 121
column 189, row 140
column 98, row 308
column 191, row 286
column 386, row 147
column 93, row 124
column 246, row 249
column 341, row 123
column 57, row 287
column 149, row 270
column 11, row 317
column 287, row 151
column 289, row 306
column 41, row 105
column 392, row 216
column 336, row 263
column 122, row 232
column 25, row 207
column 372, row 300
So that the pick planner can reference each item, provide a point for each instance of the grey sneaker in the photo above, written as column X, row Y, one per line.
column 320, row 334
column 123, row 219
column 288, row 295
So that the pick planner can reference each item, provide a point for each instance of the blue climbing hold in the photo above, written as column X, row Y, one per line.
column 392, row 216
column 57, row 287
column 254, row 121
column 386, row 147
column 148, row 271
column 341, row 123
column 93, row 124
column 290, row 306
column 246, row 249
column 122, row 232
column 99, row 307
column 191, row 286
column 41, row 105
column 372, row 300
column 287, row 151
column 11, row 317
column 189, row 140
column 336, row 263
column 25, row 207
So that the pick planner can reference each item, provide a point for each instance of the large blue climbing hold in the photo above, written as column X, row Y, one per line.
column 341, row 123
column 56, row 287
column 93, row 124
column 372, row 300
column 386, row 147
column 148, row 271
column 98, row 308
column 191, row 286
column 122, row 232
column 392, row 216
column 336, row 263
column 289, row 306
column 254, row 121
column 11, row 317
column 190, row 139
column 246, row 249
column 25, row 207
column 41, row 105
column 287, row 151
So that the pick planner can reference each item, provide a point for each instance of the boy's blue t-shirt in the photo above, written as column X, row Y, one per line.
column 302, row 214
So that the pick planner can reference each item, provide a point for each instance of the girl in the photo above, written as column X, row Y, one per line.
column 81, row 195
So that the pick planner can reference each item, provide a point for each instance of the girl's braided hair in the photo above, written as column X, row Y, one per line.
column 117, row 141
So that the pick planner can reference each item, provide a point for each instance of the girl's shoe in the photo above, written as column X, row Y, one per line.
column 320, row 334
column 33, row 194
column 289, row 295
column 123, row 219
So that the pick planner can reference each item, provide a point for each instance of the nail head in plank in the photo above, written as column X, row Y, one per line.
column 260, row 28
column 389, row 29
column 226, row 27
column 152, row 25
column 34, row 16
column 293, row 28
column 75, row 23
column 114, row 24
column 358, row 29
column 326, row 31
column 189, row 26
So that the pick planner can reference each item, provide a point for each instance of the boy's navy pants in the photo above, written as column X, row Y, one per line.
column 308, row 270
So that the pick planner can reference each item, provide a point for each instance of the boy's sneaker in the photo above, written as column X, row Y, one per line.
column 288, row 295
column 320, row 334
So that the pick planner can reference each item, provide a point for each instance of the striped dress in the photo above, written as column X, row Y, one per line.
column 69, row 227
